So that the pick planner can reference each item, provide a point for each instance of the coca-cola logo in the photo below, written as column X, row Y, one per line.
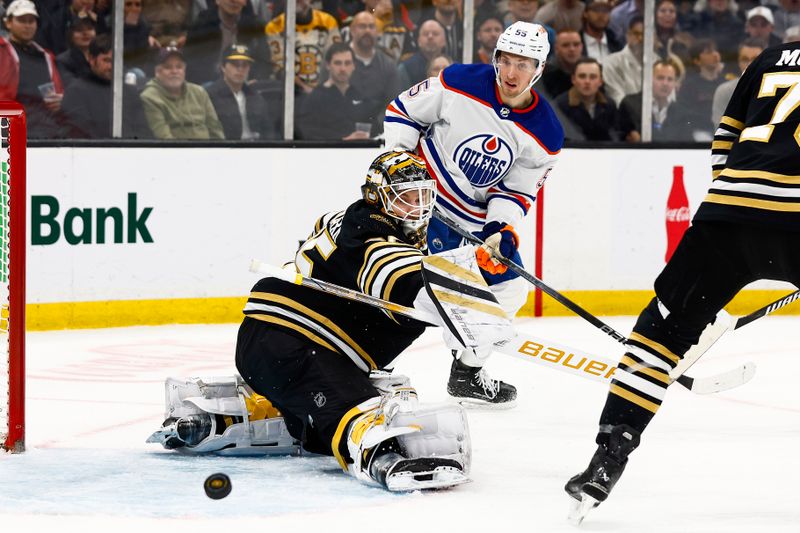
column 680, row 214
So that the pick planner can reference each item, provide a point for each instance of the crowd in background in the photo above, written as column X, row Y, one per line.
column 214, row 69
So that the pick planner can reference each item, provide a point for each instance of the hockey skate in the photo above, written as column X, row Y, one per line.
column 185, row 431
column 591, row 487
column 472, row 386
column 399, row 474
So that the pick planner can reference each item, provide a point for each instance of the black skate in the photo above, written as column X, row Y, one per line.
column 470, row 385
column 186, row 431
column 399, row 474
column 592, row 486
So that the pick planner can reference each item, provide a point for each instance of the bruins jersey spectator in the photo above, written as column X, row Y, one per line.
column 394, row 34
column 746, row 229
column 316, row 31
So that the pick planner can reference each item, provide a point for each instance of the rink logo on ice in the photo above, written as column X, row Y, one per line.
column 87, row 225
column 484, row 159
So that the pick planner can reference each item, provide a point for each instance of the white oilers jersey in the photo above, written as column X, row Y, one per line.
column 488, row 160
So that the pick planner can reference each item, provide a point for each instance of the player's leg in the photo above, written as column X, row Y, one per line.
column 468, row 382
column 343, row 414
column 707, row 270
column 308, row 385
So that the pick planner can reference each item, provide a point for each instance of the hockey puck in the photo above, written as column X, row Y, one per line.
column 217, row 486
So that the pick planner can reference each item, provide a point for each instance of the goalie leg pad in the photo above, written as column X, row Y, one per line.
column 221, row 415
column 444, row 432
column 511, row 295
column 409, row 450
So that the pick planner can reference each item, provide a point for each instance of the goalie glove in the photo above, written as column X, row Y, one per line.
column 499, row 240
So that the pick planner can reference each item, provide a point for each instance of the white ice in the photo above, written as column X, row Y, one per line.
column 727, row 462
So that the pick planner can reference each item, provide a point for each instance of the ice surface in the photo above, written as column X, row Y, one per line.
column 720, row 463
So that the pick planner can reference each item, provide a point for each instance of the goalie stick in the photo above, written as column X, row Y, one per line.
column 532, row 349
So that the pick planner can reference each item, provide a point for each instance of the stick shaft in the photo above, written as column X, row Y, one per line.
column 524, row 274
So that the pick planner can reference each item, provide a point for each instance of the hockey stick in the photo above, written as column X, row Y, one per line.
column 724, row 323
column 730, row 379
column 531, row 349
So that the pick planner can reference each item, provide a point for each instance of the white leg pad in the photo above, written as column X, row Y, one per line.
column 444, row 432
column 225, row 396
column 216, row 395
column 511, row 295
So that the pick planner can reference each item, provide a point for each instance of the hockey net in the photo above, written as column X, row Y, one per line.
column 12, row 277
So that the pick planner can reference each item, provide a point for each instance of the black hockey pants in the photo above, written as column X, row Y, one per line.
column 312, row 387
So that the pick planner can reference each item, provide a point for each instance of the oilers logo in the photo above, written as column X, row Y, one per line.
column 484, row 159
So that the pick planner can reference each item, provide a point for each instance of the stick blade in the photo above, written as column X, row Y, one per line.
column 726, row 381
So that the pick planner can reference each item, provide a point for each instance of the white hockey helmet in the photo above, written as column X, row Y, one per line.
column 527, row 40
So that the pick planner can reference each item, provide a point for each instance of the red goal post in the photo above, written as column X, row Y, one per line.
column 12, row 276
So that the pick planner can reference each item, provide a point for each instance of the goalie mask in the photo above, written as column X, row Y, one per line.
column 399, row 185
column 523, row 39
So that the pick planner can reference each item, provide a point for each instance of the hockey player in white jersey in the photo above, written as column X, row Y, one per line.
column 490, row 141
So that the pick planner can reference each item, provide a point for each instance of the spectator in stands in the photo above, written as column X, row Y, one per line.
column 136, row 36
column 175, row 108
column 63, row 17
column 719, row 21
column 527, row 11
column 74, row 63
column 335, row 109
column 622, row 71
column 316, row 32
column 557, row 77
column 702, row 79
column 670, row 120
column 88, row 100
column 670, row 40
column 395, row 35
column 586, row 106
column 222, row 24
column 487, row 32
column 598, row 41
column 761, row 25
column 375, row 76
column 792, row 34
column 448, row 14
column 28, row 72
column 438, row 64
column 430, row 43
column 562, row 14
column 241, row 110
column 621, row 17
column 748, row 51
column 786, row 16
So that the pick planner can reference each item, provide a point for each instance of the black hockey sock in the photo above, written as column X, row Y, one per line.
column 618, row 411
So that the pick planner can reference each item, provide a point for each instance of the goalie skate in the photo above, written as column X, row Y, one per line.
column 398, row 474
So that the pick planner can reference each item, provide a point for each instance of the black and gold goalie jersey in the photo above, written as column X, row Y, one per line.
column 360, row 249
column 756, row 149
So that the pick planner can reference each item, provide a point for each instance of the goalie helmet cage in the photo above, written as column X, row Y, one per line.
column 12, row 276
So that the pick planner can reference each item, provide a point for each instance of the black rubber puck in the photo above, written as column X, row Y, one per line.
column 217, row 486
